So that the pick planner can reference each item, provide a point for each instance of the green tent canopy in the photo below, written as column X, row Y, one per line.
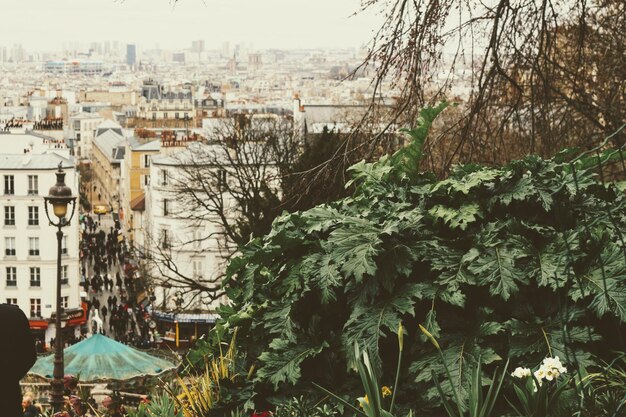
column 100, row 358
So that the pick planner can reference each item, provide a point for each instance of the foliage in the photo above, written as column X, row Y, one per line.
column 220, row 389
column 495, row 261
column 372, row 404
column 605, row 390
column 303, row 407
column 158, row 406
column 478, row 403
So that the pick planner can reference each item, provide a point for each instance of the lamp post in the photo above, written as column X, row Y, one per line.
column 59, row 196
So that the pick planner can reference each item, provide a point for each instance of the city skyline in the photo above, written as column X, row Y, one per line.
column 166, row 24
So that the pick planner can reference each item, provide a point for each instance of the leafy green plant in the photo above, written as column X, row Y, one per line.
column 494, row 261
column 372, row 404
column 158, row 406
column 605, row 390
column 478, row 403
column 303, row 407
column 218, row 390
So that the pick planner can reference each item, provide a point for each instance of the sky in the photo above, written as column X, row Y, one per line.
column 43, row 25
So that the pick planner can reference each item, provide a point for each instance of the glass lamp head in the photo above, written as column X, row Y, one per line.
column 60, row 195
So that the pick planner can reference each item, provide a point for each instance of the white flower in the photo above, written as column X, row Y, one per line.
column 551, row 368
column 520, row 372
column 540, row 374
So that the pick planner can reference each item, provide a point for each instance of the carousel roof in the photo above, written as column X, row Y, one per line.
column 100, row 358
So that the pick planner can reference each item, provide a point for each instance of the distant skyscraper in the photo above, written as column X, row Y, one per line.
column 131, row 55
column 197, row 46
column 226, row 50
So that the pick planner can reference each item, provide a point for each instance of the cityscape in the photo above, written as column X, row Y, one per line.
column 304, row 210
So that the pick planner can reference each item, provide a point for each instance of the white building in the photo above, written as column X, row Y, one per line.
column 169, row 235
column 82, row 131
column 28, row 261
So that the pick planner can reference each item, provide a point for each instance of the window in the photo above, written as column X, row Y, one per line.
column 33, row 216
column 196, row 238
column 9, row 188
column 221, row 178
column 166, row 207
column 12, row 301
column 145, row 181
column 165, row 115
column 35, row 307
column 64, row 277
column 146, row 161
column 164, row 177
column 198, row 269
column 33, row 246
column 9, row 246
column 35, row 276
column 33, row 184
column 65, row 302
column 153, row 116
column 11, row 276
column 9, row 215
column 64, row 246
column 165, row 238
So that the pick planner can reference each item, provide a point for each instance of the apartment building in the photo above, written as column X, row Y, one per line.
column 28, row 258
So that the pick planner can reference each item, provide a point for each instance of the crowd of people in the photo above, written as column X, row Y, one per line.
column 106, row 273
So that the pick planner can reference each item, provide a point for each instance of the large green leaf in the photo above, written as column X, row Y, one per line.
column 605, row 283
column 407, row 160
column 457, row 217
column 282, row 362
column 354, row 247
column 496, row 268
column 368, row 323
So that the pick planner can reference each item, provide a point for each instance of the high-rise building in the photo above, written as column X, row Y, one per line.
column 225, row 50
column 131, row 55
column 197, row 46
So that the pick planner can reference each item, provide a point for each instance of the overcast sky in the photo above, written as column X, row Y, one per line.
column 46, row 24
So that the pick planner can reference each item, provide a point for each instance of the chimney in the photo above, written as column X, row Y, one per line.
column 296, row 103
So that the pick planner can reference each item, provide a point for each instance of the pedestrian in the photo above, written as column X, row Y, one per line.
column 30, row 409
column 104, row 313
column 17, row 356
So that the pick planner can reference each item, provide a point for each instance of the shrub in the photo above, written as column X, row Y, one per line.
column 517, row 261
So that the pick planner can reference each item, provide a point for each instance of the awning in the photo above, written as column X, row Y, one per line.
column 208, row 318
column 75, row 316
column 38, row 324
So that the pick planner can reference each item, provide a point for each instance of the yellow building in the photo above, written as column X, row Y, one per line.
column 136, row 177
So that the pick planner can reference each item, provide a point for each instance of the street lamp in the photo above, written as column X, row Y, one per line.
column 59, row 196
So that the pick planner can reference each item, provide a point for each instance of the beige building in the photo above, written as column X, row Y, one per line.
column 135, row 172
column 108, row 155
column 116, row 99
column 161, row 108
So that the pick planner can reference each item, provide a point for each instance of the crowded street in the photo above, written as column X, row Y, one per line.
column 109, row 285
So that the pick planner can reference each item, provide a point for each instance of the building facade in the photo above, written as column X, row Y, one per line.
column 108, row 154
column 28, row 261
column 81, row 132
column 168, row 226
column 158, row 107
column 135, row 174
